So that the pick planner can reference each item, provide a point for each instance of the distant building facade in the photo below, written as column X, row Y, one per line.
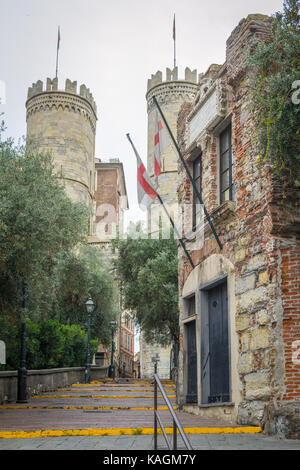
column 126, row 345
column 110, row 202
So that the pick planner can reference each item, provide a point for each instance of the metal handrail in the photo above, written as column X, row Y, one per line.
column 176, row 423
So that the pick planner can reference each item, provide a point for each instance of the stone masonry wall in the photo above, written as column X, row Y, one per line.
column 266, row 257
column 64, row 124
column 170, row 94
column 147, row 352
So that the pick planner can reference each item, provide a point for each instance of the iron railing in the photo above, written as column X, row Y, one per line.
column 157, row 419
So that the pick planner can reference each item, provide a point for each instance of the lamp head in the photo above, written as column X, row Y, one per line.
column 89, row 306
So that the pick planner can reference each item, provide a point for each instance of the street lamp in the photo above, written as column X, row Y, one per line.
column 89, row 305
column 22, row 372
column 111, row 370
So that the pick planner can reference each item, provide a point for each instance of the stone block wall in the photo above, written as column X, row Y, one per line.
column 147, row 351
column 63, row 123
column 259, row 231
column 45, row 380
column 170, row 94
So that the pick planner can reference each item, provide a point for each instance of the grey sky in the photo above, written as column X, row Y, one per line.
column 113, row 47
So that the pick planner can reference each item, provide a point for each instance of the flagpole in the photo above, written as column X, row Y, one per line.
column 174, row 53
column 58, row 40
column 189, row 174
column 174, row 37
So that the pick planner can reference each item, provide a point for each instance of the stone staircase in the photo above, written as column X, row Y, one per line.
column 106, row 407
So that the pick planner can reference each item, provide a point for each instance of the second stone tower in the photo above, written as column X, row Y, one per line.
column 170, row 94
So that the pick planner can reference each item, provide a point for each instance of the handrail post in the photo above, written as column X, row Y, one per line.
column 155, row 408
column 174, row 435
column 175, row 419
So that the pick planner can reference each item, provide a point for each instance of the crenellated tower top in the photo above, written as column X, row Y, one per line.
column 172, row 75
column 171, row 93
column 70, row 87
column 63, row 123
column 172, row 89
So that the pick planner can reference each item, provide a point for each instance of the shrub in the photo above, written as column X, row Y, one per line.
column 49, row 344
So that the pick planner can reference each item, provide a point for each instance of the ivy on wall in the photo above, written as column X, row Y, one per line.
column 274, row 80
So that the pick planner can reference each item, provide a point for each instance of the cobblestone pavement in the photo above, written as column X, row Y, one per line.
column 132, row 443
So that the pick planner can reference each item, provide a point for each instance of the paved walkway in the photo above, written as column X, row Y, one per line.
column 98, row 408
column 135, row 443
column 108, row 415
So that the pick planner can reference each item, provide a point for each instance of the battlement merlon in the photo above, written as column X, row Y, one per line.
column 172, row 75
column 70, row 87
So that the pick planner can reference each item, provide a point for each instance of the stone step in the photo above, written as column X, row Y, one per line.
column 102, row 408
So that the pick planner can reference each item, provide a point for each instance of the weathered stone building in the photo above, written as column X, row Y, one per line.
column 240, row 305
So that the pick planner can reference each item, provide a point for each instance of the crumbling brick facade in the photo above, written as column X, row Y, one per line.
column 258, row 224
column 110, row 199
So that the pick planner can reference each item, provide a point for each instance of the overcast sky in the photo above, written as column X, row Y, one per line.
column 113, row 47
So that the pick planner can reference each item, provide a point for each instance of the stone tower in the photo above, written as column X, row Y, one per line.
column 63, row 122
column 170, row 94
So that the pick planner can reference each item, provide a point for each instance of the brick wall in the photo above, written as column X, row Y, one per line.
column 290, row 287
column 107, row 185
column 106, row 193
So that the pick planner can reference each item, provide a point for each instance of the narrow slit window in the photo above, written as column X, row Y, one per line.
column 197, row 175
column 226, row 166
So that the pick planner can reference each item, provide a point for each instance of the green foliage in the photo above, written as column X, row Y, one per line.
column 147, row 270
column 43, row 247
column 82, row 275
column 37, row 219
column 49, row 344
column 37, row 222
column 274, row 67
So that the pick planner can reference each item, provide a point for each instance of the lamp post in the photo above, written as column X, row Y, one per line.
column 22, row 372
column 111, row 370
column 89, row 305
